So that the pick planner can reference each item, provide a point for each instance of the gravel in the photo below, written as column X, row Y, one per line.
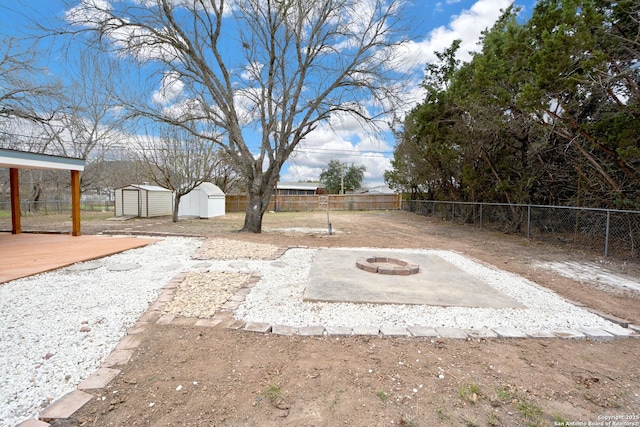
column 270, row 302
column 56, row 328
column 43, row 352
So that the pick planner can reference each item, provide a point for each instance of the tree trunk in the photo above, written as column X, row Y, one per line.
column 256, row 207
column 176, row 205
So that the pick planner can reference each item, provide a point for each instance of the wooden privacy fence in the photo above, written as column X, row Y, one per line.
column 335, row 202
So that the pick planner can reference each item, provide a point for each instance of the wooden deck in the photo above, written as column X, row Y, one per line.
column 26, row 254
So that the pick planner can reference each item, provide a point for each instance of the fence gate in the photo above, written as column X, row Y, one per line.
column 323, row 201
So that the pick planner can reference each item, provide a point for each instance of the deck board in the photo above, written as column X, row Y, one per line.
column 27, row 254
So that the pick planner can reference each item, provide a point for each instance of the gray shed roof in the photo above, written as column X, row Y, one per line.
column 147, row 187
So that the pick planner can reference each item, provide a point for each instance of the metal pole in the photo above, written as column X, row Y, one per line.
column 480, row 216
column 528, row 221
column 606, row 238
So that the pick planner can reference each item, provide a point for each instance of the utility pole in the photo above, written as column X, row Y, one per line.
column 341, row 178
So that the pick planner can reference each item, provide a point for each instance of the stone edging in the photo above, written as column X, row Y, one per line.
column 398, row 267
column 67, row 405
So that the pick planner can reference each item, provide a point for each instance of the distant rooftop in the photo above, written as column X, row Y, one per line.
column 299, row 185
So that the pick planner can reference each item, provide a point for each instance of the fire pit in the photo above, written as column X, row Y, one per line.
column 385, row 265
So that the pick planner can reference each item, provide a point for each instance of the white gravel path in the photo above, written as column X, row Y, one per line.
column 43, row 315
column 43, row 353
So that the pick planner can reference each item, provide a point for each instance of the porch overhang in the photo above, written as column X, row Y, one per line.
column 15, row 160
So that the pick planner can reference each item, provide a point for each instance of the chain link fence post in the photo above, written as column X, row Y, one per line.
column 606, row 236
column 528, row 221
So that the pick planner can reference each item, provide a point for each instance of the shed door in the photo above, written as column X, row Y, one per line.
column 130, row 202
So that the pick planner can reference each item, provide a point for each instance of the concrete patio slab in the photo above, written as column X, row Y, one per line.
column 334, row 277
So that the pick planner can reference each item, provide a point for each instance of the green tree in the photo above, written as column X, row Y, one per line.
column 340, row 178
column 426, row 158
column 583, row 87
column 547, row 113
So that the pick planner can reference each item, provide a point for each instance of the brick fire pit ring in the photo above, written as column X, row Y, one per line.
column 385, row 265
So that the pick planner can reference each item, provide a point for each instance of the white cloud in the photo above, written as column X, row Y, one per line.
column 127, row 37
column 171, row 88
column 467, row 26
column 89, row 13
column 344, row 138
column 252, row 71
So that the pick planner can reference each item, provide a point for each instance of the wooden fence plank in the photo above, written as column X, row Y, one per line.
column 286, row 203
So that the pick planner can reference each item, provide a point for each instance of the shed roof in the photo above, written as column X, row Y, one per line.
column 298, row 185
column 147, row 187
column 210, row 189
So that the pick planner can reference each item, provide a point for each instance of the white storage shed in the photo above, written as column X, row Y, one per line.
column 207, row 200
column 144, row 201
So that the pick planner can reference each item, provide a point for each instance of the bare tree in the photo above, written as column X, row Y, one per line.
column 224, row 174
column 273, row 68
column 27, row 97
column 177, row 160
column 91, row 123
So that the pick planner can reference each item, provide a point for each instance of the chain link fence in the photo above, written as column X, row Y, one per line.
column 44, row 207
column 611, row 232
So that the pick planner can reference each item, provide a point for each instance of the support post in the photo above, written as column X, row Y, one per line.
column 75, row 203
column 606, row 236
column 14, row 179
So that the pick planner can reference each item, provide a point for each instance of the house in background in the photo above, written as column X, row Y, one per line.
column 207, row 200
column 378, row 189
column 144, row 201
column 299, row 188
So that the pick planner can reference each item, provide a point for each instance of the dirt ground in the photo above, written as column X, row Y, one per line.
column 189, row 376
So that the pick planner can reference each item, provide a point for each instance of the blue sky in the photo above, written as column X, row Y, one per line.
column 433, row 26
